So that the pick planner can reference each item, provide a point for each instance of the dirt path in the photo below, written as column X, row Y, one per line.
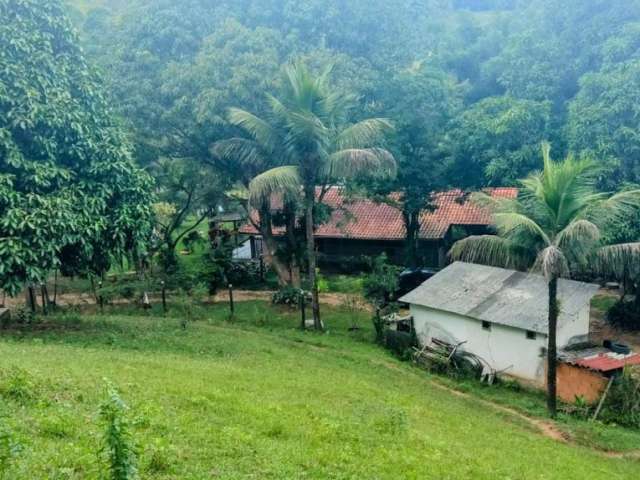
column 545, row 427
column 331, row 299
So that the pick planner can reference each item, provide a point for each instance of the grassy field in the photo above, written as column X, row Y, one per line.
column 256, row 398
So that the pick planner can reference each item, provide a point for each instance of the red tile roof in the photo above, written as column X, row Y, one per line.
column 363, row 219
column 606, row 362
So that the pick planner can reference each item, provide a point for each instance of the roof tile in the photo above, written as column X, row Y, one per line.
column 364, row 219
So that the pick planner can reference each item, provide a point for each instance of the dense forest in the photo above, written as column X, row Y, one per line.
column 472, row 86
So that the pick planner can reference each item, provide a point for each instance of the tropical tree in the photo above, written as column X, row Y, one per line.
column 556, row 226
column 69, row 189
column 307, row 128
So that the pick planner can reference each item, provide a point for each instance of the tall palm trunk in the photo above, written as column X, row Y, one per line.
column 552, row 349
column 311, row 256
column 270, row 246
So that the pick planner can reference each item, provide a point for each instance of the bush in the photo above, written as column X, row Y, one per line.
column 119, row 447
column 624, row 315
column 246, row 274
column 290, row 296
column 400, row 343
column 622, row 405
column 382, row 283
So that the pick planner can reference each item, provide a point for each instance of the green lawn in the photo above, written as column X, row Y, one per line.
column 255, row 398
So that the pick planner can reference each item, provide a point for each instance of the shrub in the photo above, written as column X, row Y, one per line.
column 246, row 274
column 622, row 405
column 289, row 296
column 625, row 315
column 119, row 447
column 382, row 283
column 400, row 343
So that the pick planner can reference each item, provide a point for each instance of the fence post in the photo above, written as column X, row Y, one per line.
column 164, row 296
column 231, row 305
column 100, row 297
column 303, row 310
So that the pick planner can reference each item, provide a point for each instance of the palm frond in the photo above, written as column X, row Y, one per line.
column 510, row 224
column 614, row 208
column 562, row 190
column 305, row 131
column 619, row 261
column 489, row 250
column 284, row 180
column 364, row 134
column 356, row 161
column 578, row 232
column 552, row 263
column 259, row 129
column 240, row 150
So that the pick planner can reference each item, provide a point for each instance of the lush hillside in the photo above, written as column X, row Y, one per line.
column 258, row 399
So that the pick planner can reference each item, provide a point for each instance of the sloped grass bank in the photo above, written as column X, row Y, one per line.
column 255, row 398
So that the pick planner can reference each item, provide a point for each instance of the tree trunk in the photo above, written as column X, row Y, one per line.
column 552, row 353
column 294, row 264
column 272, row 259
column 412, row 228
column 270, row 245
column 311, row 256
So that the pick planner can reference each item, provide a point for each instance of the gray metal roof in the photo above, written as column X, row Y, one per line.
column 496, row 295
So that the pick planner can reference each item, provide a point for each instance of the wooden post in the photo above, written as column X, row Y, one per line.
column 100, row 297
column 602, row 399
column 164, row 297
column 303, row 308
column 231, row 305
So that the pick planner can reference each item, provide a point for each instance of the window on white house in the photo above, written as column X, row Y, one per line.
column 531, row 335
column 486, row 325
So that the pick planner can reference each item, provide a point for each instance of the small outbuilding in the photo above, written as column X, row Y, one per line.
column 499, row 315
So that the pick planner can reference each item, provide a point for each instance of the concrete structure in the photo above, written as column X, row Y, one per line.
column 501, row 315
column 585, row 372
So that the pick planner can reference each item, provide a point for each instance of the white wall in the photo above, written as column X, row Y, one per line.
column 576, row 329
column 501, row 347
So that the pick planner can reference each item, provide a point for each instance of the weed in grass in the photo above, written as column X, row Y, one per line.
column 119, row 448
column 16, row 384
column 160, row 458
column 9, row 447
column 56, row 426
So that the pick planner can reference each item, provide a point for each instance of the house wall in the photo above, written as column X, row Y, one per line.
column 574, row 330
column 504, row 348
column 579, row 382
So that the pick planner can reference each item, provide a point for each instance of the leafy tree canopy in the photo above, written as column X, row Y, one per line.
column 68, row 186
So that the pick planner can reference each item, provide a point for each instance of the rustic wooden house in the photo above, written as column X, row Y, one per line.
column 364, row 227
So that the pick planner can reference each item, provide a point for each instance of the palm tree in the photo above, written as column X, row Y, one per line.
column 307, row 129
column 555, row 226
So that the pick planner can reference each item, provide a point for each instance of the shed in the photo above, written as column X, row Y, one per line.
column 499, row 315
column 586, row 372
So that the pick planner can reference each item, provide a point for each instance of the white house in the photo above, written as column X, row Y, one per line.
column 501, row 315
